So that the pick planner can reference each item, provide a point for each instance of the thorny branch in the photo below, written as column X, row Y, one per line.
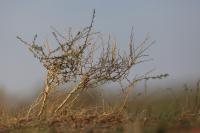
column 76, row 59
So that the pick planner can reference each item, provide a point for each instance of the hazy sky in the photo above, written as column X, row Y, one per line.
column 174, row 24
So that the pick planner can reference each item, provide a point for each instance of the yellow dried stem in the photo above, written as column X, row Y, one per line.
column 82, row 84
column 47, row 89
column 122, row 107
column 34, row 105
column 46, row 45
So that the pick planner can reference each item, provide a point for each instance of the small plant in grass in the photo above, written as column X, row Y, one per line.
column 82, row 58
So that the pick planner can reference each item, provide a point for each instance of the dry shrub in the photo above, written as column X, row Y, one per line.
column 83, row 58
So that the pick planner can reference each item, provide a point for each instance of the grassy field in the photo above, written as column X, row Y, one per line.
column 162, row 111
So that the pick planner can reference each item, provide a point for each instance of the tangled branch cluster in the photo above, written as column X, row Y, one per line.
column 74, row 60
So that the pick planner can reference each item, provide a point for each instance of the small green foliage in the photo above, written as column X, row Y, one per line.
column 120, row 129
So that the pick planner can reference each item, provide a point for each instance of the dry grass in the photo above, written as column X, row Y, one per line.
column 151, row 113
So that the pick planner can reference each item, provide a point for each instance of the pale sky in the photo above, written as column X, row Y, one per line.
column 173, row 24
